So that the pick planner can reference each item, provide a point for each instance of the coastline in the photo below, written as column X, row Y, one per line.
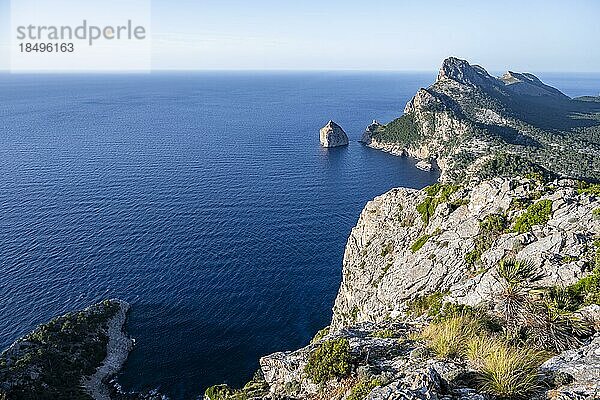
column 117, row 350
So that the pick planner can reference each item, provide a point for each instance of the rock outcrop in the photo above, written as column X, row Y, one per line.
column 72, row 356
column 384, row 266
column 476, row 125
column 332, row 135
column 400, row 364
column 577, row 372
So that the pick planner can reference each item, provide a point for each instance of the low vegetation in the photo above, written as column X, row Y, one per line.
column 402, row 130
column 330, row 360
column 59, row 353
column 536, row 214
column 506, row 346
column 362, row 389
column 420, row 243
column 255, row 389
column 320, row 335
column 436, row 194
column 592, row 189
column 508, row 165
column 490, row 229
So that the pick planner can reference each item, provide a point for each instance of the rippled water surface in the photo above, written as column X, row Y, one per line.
column 203, row 199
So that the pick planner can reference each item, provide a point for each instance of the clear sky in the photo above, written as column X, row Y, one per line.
column 535, row 36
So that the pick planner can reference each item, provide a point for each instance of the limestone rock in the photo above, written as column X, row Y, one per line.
column 394, row 361
column 332, row 135
column 576, row 371
column 471, row 122
column 382, row 270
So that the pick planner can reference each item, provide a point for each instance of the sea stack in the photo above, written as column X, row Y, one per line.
column 332, row 135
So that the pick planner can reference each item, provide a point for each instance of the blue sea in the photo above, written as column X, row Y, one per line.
column 203, row 199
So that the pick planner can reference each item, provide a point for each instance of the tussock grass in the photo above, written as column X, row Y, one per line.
column 450, row 337
column 509, row 372
column 504, row 370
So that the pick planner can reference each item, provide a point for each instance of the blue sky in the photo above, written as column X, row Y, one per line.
column 368, row 35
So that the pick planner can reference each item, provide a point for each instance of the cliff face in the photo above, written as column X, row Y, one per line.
column 476, row 125
column 447, row 241
column 393, row 255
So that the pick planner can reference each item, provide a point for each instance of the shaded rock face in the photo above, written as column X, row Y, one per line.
column 332, row 135
column 467, row 117
column 576, row 371
column 367, row 136
column 382, row 269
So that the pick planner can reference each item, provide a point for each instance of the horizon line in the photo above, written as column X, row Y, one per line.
column 187, row 70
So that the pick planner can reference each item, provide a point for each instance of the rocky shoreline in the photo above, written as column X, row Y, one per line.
column 118, row 348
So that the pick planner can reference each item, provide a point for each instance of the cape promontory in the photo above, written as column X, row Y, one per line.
column 475, row 125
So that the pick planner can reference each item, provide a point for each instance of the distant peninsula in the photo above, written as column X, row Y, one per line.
column 475, row 125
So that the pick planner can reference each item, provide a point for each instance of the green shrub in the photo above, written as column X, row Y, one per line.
column 219, row 392
column 320, row 335
column 569, row 259
column 384, row 334
column 537, row 214
column 363, row 388
column 430, row 304
column 256, row 388
column 592, row 189
column 596, row 213
column 436, row 194
column 587, row 290
column 490, row 228
column 473, row 257
column 330, row 360
column 420, row 243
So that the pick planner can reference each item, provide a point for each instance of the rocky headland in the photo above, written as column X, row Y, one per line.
column 474, row 125
column 332, row 135
column 71, row 357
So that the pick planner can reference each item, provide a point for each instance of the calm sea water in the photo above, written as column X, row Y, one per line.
column 205, row 200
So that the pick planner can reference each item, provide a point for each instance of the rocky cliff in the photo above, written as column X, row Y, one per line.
column 422, row 264
column 409, row 243
column 476, row 125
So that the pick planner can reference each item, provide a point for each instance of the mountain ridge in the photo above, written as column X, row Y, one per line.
column 476, row 126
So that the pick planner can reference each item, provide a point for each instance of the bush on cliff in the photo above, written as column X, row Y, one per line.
column 362, row 389
column 537, row 214
column 436, row 194
column 330, row 360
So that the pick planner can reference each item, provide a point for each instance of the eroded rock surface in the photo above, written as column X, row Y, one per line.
column 332, row 135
